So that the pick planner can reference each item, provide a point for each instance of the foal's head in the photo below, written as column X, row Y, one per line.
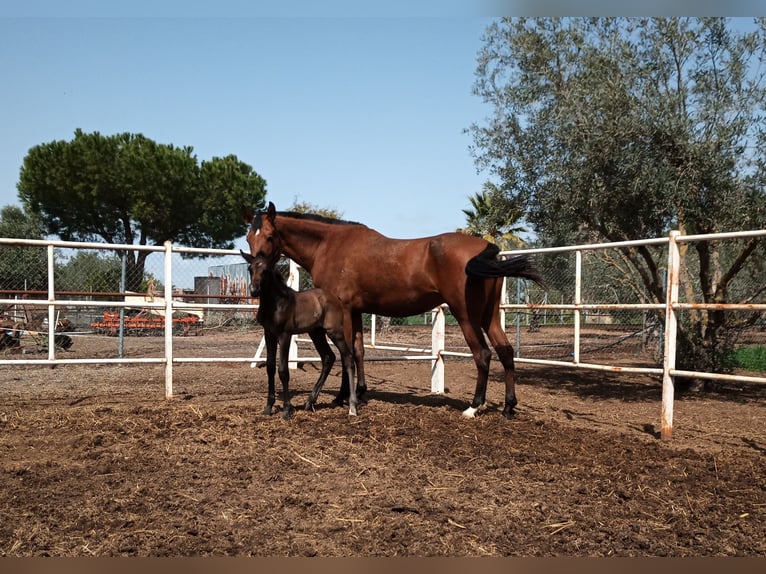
column 260, row 268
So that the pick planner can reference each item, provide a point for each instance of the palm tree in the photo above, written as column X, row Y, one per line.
column 495, row 217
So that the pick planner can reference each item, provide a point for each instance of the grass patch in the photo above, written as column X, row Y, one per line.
column 751, row 358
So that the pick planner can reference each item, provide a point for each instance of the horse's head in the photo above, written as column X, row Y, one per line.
column 257, row 267
column 262, row 236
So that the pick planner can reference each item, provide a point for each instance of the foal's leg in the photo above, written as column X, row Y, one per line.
column 271, row 368
column 284, row 373
column 328, row 360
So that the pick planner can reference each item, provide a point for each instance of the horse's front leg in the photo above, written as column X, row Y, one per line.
column 271, row 368
column 357, row 341
column 347, row 358
column 354, row 333
column 284, row 374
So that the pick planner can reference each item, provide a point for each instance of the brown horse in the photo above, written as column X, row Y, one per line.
column 284, row 312
column 371, row 273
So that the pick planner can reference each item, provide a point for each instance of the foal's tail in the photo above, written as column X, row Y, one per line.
column 486, row 265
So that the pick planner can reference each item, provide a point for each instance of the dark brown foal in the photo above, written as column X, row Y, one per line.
column 284, row 312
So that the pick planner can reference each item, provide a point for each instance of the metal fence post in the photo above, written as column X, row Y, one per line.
column 168, row 320
column 577, row 303
column 123, row 282
column 51, row 308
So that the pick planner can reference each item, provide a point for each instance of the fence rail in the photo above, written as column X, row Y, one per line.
column 576, row 308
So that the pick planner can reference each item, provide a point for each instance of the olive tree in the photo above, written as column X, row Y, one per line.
column 612, row 129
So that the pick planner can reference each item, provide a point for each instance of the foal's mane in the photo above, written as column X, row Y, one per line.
column 279, row 282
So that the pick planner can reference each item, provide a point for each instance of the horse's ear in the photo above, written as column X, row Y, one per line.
column 246, row 256
column 271, row 212
column 247, row 214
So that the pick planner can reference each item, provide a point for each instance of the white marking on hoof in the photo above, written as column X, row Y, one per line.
column 470, row 412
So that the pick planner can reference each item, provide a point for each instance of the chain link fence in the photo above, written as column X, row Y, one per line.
column 597, row 308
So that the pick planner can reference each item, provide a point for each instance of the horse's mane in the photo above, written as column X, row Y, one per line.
column 317, row 217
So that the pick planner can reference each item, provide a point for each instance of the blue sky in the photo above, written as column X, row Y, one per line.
column 363, row 115
column 356, row 107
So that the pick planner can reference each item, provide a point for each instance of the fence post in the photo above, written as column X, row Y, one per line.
column 123, row 279
column 437, row 346
column 503, row 301
column 577, row 303
column 51, row 307
column 518, row 318
column 293, row 281
column 168, row 276
column 671, row 329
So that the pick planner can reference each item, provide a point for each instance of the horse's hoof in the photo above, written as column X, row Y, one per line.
column 267, row 411
column 337, row 402
column 309, row 406
column 352, row 411
column 509, row 413
column 470, row 412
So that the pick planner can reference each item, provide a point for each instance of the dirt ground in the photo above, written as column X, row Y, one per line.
column 95, row 461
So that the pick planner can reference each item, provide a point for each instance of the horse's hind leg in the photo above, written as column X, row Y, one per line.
column 328, row 360
column 505, row 354
column 471, row 312
column 481, row 356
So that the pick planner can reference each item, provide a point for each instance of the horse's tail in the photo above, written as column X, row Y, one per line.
column 486, row 265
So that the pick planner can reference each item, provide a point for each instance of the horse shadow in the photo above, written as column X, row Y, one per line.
column 376, row 390
column 626, row 387
column 414, row 398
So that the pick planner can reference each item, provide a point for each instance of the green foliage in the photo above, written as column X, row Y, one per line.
column 306, row 207
column 623, row 128
column 128, row 189
column 751, row 358
column 612, row 129
column 88, row 271
column 494, row 216
column 22, row 267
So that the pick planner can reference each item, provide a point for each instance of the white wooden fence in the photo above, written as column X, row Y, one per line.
column 437, row 353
